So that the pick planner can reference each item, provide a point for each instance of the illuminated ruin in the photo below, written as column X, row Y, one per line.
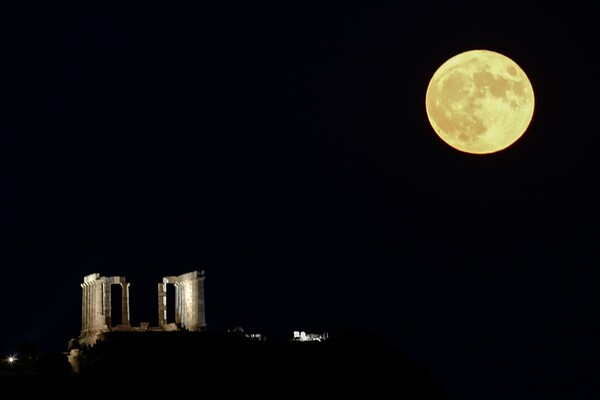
column 98, row 316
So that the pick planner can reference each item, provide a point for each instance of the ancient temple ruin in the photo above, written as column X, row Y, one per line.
column 98, row 316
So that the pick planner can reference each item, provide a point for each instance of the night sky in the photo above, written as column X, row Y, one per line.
column 284, row 149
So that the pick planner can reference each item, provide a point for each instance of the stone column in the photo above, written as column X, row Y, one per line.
column 125, row 303
column 162, row 302
column 179, row 314
column 106, row 305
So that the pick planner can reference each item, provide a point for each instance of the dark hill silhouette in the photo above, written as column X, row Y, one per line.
column 149, row 363
column 344, row 363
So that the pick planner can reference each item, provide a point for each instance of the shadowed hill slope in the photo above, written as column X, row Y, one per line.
column 342, row 364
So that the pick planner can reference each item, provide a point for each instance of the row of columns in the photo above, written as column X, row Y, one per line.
column 96, row 302
column 97, row 308
column 189, row 301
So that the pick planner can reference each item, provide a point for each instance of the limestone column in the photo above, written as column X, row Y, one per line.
column 162, row 303
column 179, row 319
column 125, row 303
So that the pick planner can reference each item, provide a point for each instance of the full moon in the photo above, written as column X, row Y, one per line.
column 479, row 102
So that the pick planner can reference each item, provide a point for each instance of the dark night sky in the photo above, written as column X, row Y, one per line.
column 284, row 149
